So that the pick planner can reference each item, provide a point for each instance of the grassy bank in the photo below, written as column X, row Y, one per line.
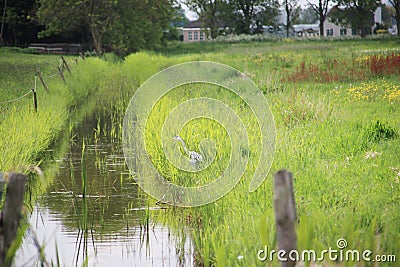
column 337, row 116
column 24, row 133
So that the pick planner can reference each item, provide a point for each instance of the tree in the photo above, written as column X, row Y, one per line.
column 292, row 10
column 359, row 14
column 207, row 10
column 65, row 16
column 387, row 14
column 140, row 24
column 3, row 18
column 178, row 19
column 18, row 26
column 321, row 10
column 251, row 15
column 396, row 5
column 307, row 16
column 126, row 25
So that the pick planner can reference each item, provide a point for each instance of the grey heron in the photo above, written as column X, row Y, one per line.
column 194, row 157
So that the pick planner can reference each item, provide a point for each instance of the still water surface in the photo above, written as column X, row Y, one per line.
column 105, row 225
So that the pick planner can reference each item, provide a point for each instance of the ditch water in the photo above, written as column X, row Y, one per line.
column 105, row 223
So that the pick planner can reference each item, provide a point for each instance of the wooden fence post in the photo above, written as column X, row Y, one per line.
column 41, row 79
column 82, row 55
column 285, row 215
column 2, row 183
column 66, row 65
column 10, row 216
column 34, row 99
column 61, row 74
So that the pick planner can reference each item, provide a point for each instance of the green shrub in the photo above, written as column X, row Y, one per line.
column 378, row 131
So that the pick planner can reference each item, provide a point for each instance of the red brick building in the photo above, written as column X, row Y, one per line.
column 194, row 32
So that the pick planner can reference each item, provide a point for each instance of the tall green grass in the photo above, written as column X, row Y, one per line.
column 26, row 134
column 324, row 136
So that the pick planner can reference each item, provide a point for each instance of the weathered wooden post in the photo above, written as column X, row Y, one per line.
column 10, row 216
column 66, row 65
column 34, row 99
column 2, row 183
column 38, row 74
column 61, row 74
column 285, row 215
column 82, row 55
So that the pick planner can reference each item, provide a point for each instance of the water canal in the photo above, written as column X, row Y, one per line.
column 90, row 211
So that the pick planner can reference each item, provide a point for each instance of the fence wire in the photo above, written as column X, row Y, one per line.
column 60, row 67
column 52, row 76
column 16, row 99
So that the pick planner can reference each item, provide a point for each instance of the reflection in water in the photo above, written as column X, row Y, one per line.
column 94, row 214
column 128, row 247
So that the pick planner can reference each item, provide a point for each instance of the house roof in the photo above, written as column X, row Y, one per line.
column 194, row 24
column 200, row 24
column 333, row 10
column 305, row 27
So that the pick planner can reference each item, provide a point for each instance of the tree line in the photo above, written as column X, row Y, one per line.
column 249, row 16
column 126, row 26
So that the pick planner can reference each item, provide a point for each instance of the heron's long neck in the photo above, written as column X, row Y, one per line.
column 184, row 146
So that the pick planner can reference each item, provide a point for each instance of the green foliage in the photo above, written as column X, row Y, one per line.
column 239, row 16
column 60, row 16
column 66, row 16
column 140, row 25
column 308, row 16
column 208, row 12
column 379, row 131
column 14, row 49
column 252, row 15
column 127, row 25
column 19, row 22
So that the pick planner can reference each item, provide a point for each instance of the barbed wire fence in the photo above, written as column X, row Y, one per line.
column 63, row 65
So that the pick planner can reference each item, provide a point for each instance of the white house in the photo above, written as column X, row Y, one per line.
column 332, row 29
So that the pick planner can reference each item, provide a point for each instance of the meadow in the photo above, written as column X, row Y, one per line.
column 336, row 110
column 337, row 118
